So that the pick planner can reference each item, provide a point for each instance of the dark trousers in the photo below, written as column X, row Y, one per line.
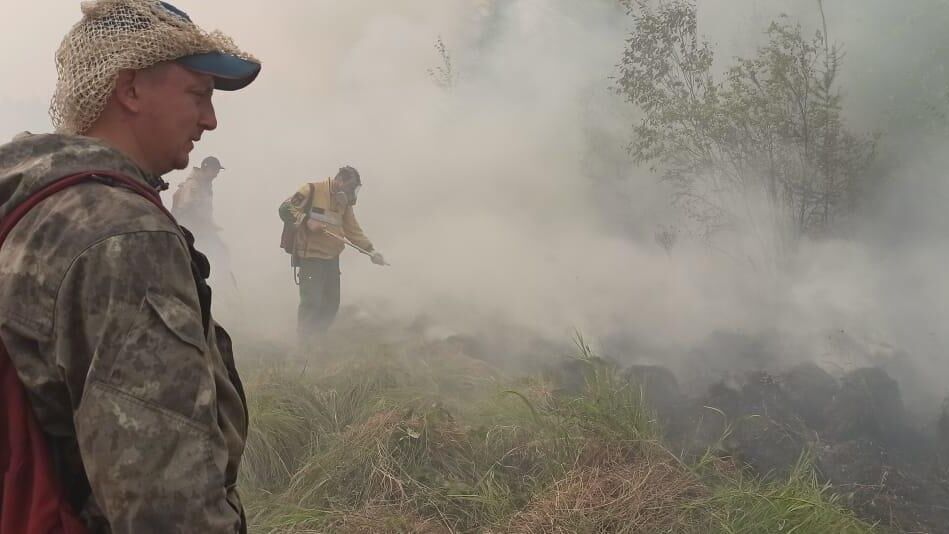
column 319, row 295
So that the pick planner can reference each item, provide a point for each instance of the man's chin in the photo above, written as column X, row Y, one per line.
column 181, row 163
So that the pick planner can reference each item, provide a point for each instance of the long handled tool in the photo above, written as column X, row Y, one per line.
column 350, row 243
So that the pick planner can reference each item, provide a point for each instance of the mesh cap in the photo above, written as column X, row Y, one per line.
column 114, row 35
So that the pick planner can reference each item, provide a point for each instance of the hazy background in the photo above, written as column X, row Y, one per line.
column 509, row 198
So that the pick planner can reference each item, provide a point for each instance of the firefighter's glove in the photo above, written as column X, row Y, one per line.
column 378, row 259
column 315, row 226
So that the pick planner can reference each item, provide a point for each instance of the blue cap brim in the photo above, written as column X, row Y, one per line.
column 230, row 72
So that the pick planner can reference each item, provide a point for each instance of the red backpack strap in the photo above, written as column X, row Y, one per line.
column 62, row 183
column 32, row 500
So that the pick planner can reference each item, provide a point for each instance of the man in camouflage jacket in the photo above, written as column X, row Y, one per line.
column 104, row 307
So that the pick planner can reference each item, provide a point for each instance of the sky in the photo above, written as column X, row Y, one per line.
column 509, row 197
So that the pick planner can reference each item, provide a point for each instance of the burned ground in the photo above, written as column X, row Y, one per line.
column 888, row 464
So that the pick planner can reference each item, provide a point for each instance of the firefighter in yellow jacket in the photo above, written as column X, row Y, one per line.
column 322, row 213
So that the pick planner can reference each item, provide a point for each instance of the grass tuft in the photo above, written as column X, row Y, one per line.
column 402, row 442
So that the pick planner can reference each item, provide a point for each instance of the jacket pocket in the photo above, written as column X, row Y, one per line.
column 184, row 322
column 164, row 359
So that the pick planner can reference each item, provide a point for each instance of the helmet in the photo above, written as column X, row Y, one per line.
column 211, row 163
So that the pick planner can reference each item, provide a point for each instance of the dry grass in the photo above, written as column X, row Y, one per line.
column 395, row 443
column 386, row 519
column 644, row 496
column 389, row 458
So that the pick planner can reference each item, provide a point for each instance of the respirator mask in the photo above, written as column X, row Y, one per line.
column 347, row 198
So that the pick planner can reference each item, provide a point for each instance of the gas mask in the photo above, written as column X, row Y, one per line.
column 347, row 198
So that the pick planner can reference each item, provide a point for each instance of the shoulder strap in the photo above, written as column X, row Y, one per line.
column 309, row 199
column 199, row 263
column 12, row 218
column 32, row 496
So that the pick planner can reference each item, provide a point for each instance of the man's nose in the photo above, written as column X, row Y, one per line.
column 208, row 119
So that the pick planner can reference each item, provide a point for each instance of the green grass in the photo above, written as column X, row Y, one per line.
column 407, row 439
column 798, row 504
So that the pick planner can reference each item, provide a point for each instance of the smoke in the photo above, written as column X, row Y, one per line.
column 880, row 293
column 509, row 198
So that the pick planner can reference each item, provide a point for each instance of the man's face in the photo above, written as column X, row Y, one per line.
column 175, row 111
column 345, row 184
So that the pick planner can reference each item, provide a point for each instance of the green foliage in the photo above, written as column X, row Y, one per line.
column 800, row 504
column 609, row 408
column 769, row 132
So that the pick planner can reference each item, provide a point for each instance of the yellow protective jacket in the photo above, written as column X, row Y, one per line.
column 339, row 220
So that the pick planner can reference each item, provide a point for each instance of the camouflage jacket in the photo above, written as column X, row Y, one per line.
column 106, row 315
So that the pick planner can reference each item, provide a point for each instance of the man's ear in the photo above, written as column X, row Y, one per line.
column 126, row 93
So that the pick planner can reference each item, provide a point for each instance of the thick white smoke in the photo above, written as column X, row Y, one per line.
column 509, row 198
